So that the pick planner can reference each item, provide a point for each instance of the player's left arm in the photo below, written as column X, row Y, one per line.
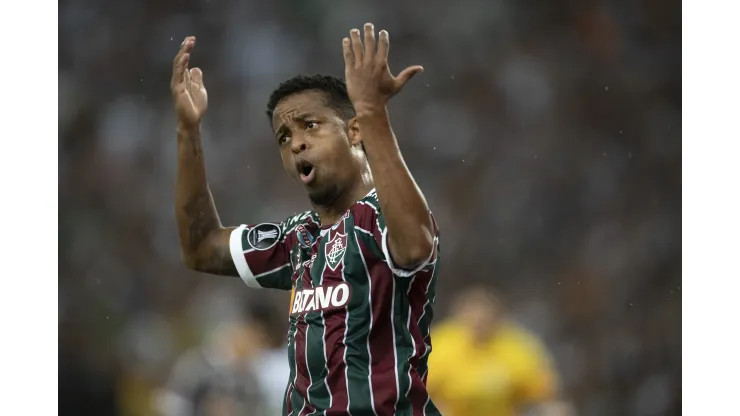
column 370, row 84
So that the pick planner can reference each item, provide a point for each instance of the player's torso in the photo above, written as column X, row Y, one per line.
column 359, row 337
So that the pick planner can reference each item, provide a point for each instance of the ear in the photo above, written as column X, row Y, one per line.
column 353, row 132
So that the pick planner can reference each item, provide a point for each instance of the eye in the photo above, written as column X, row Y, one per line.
column 310, row 125
column 283, row 139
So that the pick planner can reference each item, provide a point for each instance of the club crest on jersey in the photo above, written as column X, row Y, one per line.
column 320, row 298
column 264, row 236
column 334, row 250
column 305, row 239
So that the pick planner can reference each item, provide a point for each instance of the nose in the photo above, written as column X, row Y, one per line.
column 298, row 144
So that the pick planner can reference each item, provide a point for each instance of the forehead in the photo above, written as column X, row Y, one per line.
column 295, row 105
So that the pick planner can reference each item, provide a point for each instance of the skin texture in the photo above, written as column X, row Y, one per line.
column 204, row 242
column 308, row 131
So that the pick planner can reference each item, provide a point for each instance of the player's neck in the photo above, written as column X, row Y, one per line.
column 330, row 215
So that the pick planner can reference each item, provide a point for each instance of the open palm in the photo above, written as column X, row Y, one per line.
column 188, row 90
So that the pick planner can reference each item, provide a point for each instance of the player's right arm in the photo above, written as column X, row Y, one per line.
column 259, row 253
column 204, row 242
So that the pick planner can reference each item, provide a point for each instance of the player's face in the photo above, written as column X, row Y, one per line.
column 317, row 148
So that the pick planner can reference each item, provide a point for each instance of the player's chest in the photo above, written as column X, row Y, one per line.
column 326, row 273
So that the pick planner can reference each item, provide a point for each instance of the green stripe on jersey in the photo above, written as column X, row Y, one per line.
column 359, row 317
column 318, row 390
column 404, row 343
column 426, row 319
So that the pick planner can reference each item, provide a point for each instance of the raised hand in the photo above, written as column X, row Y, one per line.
column 369, row 80
column 188, row 91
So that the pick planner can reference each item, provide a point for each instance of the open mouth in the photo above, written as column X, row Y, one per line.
column 306, row 171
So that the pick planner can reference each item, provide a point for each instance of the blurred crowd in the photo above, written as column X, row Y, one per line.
column 546, row 137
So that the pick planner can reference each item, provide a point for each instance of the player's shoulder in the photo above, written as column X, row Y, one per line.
column 366, row 212
column 372, row 198
column 369, row 204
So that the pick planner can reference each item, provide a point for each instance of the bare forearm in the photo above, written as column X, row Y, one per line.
column 198, row 224
column 406, row 213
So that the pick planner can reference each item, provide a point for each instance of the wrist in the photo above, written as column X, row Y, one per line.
column 369, row 110
column 186, row 128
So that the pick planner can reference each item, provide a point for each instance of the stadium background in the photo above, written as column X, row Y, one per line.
column 546, row 137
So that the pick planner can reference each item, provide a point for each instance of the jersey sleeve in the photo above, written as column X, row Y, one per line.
column 369, row 220
column 262, row 252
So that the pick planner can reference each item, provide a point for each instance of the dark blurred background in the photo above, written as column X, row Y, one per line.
column 546, row 136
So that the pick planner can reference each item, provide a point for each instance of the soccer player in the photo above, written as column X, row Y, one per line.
column 361, row 265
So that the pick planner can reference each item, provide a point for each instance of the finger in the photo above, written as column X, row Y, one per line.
column 354, row 35
column 383, row 45
column 349, row 57
column 180, row 74
column 185, row 47
column 186, row 72
column 406, row 75
column 369, row 43
column 179, row 64
column 197, row 76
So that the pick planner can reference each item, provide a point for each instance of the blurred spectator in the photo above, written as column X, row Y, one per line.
column 271, row 363
column 218, row 378
column 483, row 363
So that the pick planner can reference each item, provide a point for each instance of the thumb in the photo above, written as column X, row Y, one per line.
column 407, row 74
column 197, row 76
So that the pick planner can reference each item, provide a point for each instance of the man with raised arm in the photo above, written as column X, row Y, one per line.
column 362, row 265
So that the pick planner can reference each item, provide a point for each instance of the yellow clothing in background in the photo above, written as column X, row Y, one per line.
column 496, row 377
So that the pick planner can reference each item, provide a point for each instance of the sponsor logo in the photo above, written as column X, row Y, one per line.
column 264, row 236
column 334, row 250
column 305, row 239
column 320, row 298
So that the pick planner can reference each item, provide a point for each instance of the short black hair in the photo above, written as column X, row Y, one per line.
column 334, row 87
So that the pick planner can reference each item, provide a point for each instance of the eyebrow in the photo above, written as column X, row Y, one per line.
column 294, row 116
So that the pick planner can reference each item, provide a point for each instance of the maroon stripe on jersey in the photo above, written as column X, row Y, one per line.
column 382, row 338
column 335, row 333
column 417, row 296
column 263, row 261
column 303, row 377
column 418, row 395
column 366, row 217
column 336, row 380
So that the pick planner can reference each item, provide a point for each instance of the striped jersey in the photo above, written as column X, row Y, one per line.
column 359, row 336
